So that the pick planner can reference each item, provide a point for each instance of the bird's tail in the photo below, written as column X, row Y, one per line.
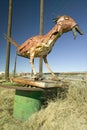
column 12, row 41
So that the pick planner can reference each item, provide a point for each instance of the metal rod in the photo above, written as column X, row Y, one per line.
column 14, row 73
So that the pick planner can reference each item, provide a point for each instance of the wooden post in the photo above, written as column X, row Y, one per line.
column 8, row 43
column 41, row 31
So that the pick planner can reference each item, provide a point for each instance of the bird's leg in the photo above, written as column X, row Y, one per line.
column 46, row 63
column 32, row 65
column 35, row 76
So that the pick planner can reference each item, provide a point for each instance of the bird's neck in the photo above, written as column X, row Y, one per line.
column 53, row 35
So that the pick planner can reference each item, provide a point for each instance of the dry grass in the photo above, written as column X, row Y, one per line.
column 69, row 113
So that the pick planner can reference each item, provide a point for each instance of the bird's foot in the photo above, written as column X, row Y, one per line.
column 55, row 78
column 37, row 77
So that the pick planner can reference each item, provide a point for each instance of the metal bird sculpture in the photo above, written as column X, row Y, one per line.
column 41, row 45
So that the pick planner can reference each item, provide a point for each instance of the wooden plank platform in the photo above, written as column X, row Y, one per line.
column 21, row 88
column 40, row 84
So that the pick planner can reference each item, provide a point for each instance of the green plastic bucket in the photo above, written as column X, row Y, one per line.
column 26, row 103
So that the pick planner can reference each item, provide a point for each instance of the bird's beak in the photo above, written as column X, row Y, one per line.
column 76, row 29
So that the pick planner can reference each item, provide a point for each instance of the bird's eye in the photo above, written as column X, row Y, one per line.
column 66, row 17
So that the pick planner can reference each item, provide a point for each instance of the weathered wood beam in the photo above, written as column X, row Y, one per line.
column 21, row 88
column 40, row 84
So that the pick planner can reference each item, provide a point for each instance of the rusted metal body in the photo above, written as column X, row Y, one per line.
column 41, row 45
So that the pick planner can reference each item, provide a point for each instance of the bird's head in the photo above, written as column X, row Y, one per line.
column 65, row 24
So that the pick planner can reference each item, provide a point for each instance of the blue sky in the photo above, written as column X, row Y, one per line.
column 67, row 55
